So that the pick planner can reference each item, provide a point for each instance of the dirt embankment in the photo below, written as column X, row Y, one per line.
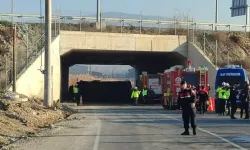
column 19, row 119
column 233, row 47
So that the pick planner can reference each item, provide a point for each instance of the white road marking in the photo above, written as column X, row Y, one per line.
column 97, row 138
column 215, row 135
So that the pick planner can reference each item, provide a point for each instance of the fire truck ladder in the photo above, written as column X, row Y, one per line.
column 203, row 76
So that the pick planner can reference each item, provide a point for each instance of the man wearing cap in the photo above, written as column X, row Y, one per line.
column 187, row 100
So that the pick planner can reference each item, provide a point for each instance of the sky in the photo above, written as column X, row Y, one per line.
column 200, row 10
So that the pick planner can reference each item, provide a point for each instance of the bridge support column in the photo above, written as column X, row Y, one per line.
column 64, row 82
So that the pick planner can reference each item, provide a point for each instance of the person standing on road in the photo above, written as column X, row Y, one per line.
column 71, row 95
column 187, row 100
column 135, row 95
column 168, row 98
column 222, row 99
column 232, row 98
column 244, row 97
column 227, row 99
column 203, row 98
column 144, row 94
column 76, row 93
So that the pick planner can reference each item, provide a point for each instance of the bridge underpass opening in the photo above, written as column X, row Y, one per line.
column 102, row 84
column 152, row 62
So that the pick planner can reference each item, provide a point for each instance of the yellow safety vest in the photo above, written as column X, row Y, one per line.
column 223, row 94
column 167, row 94
column 144, row 92
column 228, row 93
column 135, row 94
column 75, row 90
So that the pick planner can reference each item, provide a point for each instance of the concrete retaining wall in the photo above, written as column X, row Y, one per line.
column 31, row 82
column 120, row 41
column 199, row 59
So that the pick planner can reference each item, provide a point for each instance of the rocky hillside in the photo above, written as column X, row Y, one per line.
column 27, row 43
column 233, row 47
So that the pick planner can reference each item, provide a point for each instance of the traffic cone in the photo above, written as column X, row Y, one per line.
column 211, row 106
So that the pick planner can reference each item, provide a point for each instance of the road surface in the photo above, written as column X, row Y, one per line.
column 139, row 128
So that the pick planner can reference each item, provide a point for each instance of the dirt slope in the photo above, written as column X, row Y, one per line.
column 21, row 119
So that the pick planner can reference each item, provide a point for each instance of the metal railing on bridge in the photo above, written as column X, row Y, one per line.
column 196, row 31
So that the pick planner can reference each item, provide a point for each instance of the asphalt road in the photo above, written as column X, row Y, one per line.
column 139, row 128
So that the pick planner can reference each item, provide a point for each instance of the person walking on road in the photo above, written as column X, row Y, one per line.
column 135, row 95
column 203, row 98
column 244, row 97
column 187, row 100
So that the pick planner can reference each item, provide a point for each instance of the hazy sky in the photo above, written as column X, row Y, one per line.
column 201, row 10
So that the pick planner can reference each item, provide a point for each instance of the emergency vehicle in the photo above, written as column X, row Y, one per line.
column 231, row 74
column 172, row 79
column 152, row 82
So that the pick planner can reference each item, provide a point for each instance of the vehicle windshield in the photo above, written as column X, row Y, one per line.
column 192, row 78
column 231, row 80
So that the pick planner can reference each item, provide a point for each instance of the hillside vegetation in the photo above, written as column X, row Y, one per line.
column 26, row 36
column 233, row 47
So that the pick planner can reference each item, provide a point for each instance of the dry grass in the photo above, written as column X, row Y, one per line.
column 19, row 120
column 236, row 45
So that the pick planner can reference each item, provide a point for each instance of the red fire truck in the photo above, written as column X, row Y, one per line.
column 153, row 83
column 172, row 78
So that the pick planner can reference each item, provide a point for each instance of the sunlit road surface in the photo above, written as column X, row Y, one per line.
column 139, row 128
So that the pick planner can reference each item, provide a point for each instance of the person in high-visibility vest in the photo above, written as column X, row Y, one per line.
column 135, row 95
column 76, row 93
column 144, row 94
column 222, row 92
column 167, row 97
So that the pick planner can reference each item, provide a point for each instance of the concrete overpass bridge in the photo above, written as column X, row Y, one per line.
column 152, row 53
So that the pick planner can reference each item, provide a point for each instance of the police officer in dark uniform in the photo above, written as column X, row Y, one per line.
column 232, row 99
column 186, row 98
column 244, row 97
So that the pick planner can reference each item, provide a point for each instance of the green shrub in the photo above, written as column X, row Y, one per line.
column 5, row 23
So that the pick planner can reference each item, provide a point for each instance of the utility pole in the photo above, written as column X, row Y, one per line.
column 12, row 11
column 48, row 75
column 98, row 14
column 216, row 14
column 14, row 59
column 247, row 17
